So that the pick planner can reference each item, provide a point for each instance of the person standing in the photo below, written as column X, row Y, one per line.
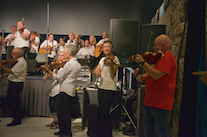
column 159, row 88
column 34, row 42
column 10, row 43
column 107, row 89
column 21, row 37
column 54, row 95
column 16, row 76
column 68, row 95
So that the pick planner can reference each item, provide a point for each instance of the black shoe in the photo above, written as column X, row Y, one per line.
column 65, row 136
column 58, row 133
column 14, row 123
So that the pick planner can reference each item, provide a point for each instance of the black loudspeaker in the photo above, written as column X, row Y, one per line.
column 31, row 65
column 148, row 33
column 125, row 35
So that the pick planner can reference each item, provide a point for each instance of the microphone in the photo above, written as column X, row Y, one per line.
column 3, row 29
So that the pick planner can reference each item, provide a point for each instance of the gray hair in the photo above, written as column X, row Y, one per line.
column 19, row 50
column 70, row 48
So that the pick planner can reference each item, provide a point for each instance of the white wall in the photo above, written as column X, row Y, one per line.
column 85, row 17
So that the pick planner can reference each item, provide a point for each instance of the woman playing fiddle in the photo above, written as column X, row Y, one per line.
column 54, row 95
column 93, row 42
column 106, row 69
column 34, row 44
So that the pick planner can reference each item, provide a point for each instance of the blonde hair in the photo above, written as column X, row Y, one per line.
column 94, row 39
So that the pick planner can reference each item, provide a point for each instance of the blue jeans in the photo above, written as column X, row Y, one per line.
column 156, row 119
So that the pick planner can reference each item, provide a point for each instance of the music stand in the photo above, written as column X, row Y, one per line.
column 42, row 58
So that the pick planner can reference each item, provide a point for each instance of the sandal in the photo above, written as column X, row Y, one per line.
column 51, row 124
column 56, row 126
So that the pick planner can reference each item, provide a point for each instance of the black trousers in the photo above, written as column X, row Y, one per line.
column 14, row 100
column 105, row 98
column 66, row 106
column 26, row 51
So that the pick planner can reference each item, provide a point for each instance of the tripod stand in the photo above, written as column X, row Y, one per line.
column 124, row 108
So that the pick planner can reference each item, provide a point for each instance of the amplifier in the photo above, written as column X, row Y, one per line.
column 84, row 77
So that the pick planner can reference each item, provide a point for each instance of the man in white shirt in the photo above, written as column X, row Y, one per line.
column 67, row 96
column 98, row 48
column 21, row 37
column 86, row 50
column 10, row 43
column 49, row 46
column 71, row 40
column 16, row 76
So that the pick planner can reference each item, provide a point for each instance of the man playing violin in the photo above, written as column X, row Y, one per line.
column 67, row 76
column 16, row 76
column 159, row 88
column 72, row 40
column 106, row 69
column 79, row 41
column 21, row 37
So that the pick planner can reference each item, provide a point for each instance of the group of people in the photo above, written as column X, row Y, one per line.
column 159, row 86
column 29, row 41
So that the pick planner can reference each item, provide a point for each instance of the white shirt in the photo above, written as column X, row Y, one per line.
column 55, row 87
column 8, row 42
column 53, row 44
column 93, row 48
column 102, row 41
column 19, row 42
column 3, row 50
column 107, row 82
column 84, row 51
column 33, row 48
column 69, row 74
column 61, row 48
column 19, row 71
column 73, row 42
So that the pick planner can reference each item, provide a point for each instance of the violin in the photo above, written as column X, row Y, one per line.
column 109, row 57
column 52, row 65
column 9, row 63
column 21, row 29
column 150, row 57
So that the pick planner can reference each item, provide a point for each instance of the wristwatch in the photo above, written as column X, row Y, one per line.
column 143, row 63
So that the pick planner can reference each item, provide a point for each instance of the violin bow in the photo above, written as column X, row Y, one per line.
column 151, row 32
